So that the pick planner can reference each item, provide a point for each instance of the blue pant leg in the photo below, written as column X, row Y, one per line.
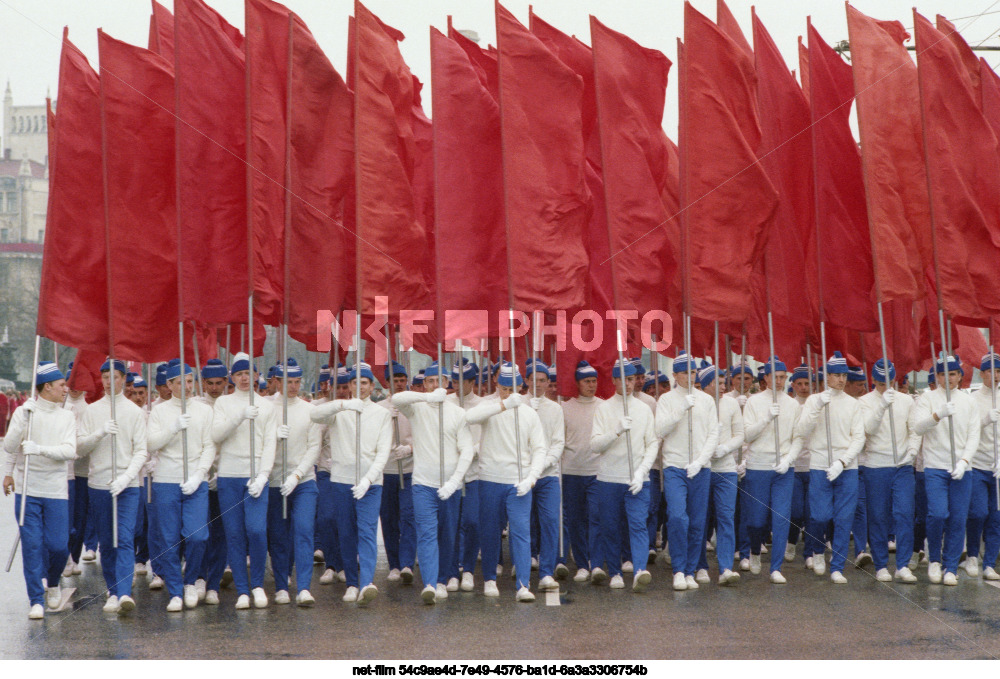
column 278, row 540
column 612, row 507
column 232, row 508
column 936, row 482
column 128, row 503
column 845, row 502
column 860, row 526
column 724, row 488
column 781, row 509
column 594, row 539
column 519, row 537
column 425, row 511
column 142, row 547
column 447, row 539
column 878, row 487
column 675, row 492
column 978, row 510
column 167, row 497
column 407, row 527
column 214, row 563
column 471, row 533
column 325, row 540
column 757, row 486
column 902, row 512
column 919, row 510
column 389, row 515
column 576, row 517
column 255, row 515
column 100, row 507
column 55, row 527
column 367, row 512
column 80, row 509
column 697, row 510
column 798, row 508
column 546, row 502
column 742, row 511
column 820, row 504
column 958, row 511
column 991, row 530
column 535, row 533
column 655, row 499
column 347, row 530
column 91, row 539
column 157, row 545
column 491, row 523
column 302, row 510
column 32, row 547
column 637, row 515
column 194, row 530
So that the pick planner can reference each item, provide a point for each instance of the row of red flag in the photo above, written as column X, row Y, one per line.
column 214, row 171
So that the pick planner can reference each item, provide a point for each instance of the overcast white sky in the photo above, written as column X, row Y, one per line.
column 30, row 30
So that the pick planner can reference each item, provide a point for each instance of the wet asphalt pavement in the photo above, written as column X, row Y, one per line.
column 808, row 618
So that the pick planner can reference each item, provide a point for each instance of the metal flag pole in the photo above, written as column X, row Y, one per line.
column 559, row 401
column 743, row 355
column 946, row 350
column 392, row 394
column 441, row 419
column 774, row 389
column 885, row 366
column 284, row 414
column 655, row 356
column 27, row 437
column 114, row 450
column 717, row 410
column 809, row 367
column 461, row 373
column 357, row 395
column 625, row 395
column 993, row 400
column 517, row 421
column 229, row 349
column 690, row 386
column 826, row 408
column 253, row 383
column 184, row 438
column 197, row 359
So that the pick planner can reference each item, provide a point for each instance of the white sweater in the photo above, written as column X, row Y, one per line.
column 578, row 458
column 169, row 446
column 847, row 430
column 671, row 425
column 130, row 443
column 878, row 431
column 553, row 424
column 983, row 458
column 78, row 406
column 498, row 449
column 304, row 441
column 52, row 428
column 231, row 434
column 424, row 419
column 936, row 440
column 731, row 436
column 612, row 449
column 376, row 440
column 759, row 432
column 405, row 439
column 470, row 401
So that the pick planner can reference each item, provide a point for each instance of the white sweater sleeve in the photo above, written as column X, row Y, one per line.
column 536, row 445
column 314, row 438
column 650, row 447
column 466, row 450
column 139, row 453
column 208, row 449
column 735, row 442
column 483, row 411
column 668, row 415
column 267, row 454
column 602, row 435
column 383, row 446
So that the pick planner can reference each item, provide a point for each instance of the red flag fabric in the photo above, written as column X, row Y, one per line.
column 161, row 31
column 137, row 104
column 885, row 79
column 239, row 339
column 841, row 245
column 86, row 373
column 963, row 167
column 728, row 24
column 971, row 345
column 211, row 173
column 804, row 68
column 391, row 240
column 546, row 203
column 727, row 198
column 72, row 300
column 990, row 84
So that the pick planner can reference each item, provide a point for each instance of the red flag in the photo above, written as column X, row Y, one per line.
column 971, row 345
column 391, row 240
column 161, row 31
column 211, row 173
column 885, row 79
column 137, row 102
column 86, row 373
column 990, row 83
column 963, row 168
column 728, row 24
column 804, row 69
column 73, row 300
column 545, row 193
column 841, row 246
column 727, row 198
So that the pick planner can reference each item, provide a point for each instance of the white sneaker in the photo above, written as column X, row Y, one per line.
column 468, row 582
column 789, row 552
column 156, row 582
column 990, row 574
column 211, row 598
column 581, row 575
column 745, row 565
column 934, row 573
column 350, row 595
column 89, row 555
column 126, row 605
column 627, row 567
column 140, row 568
column 690, row 582
column 199, row 587
column 905, row 575
column 950, row 578
column 176, row 605
column 819, row 564
column 392, row 577
column 763, row 549
column 838, row 578
column 259, row 597
column 777, row 578
column 641, row 580
column 77, row 568
column 972, row 566
column 305, row 599
column 490, row 588
column 329, row 576
column 534, row 564
column 53, row 597
column 111, row 605
column 561, row 571
column 548, row 583
column 190, row 596
column 525, row 596
column 728, row 577
column 427, row 594
column 862, row 560
column 914, row 562
column 709, row 546
column 755, row 564
column 36, row 612
column 680, row 584
column 701, row 577
column 242, row 602
column 441, row 592
column 68, row 571
column 452, row 585
column 281, row 597
column 617, row 582
column 499, row 570
column 809, row 562
column 598, row 576
column 883, row 575
column 406, row 576
column 318, row 556
column 892, row 546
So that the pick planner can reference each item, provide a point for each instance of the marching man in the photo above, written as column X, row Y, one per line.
column 467, row 543
column 215, row 380
column 45, row 533
column 984, row 517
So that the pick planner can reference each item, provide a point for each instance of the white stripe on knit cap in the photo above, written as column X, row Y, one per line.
column 51, row 367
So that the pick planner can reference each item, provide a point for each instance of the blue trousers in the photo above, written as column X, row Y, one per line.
column 618, row 504
column 181, row 517
column 90, row 536
column 154, row 538
column 213, row 564
column 835, row 501
column 140, row 536
column 399, row 532
column 545, row 503
column 687, row 510
column 722, row 494
column 467, row 544
column 655, row 500
column 437, row 530
column 947, row 510
column 770, row 498
column 117, row 564
column 800, row 517
column 326, row 524
column 742, row 509
column 244, row 519
column 581, row 512
column 44, row 540
column 984, row 518
column 890, row 503
column 357, row 530
column 496, row 499
column 860, row 526
column 292, row 536
column 919, row 511
column 80, row 508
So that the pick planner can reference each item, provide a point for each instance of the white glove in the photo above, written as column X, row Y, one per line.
column 30, row 448
column 256, row 486
column 833, row 472
column 355, row 404
column 110, row 427
column 119, row 484
column 525, row 486
column 783, row 465
column 889, row 396
column 773, row 411
column 742, row 399
column 693, row 469
column 721, row 450
column 741, row 469
column 947, row 409
column 359, row 490
column 192, row 484
column 394, row 411
column 689, row 402
column 438, row 395
column 283, row 431
column 959, row 470
column 401, row 451
column 994, row 414
column 535, row 403
column 447, row 490
column 182, row 422
column 825, row 396
column 289, row 485
column 250, row 412
column 624, row 424
column 637, row 482
column 213, row 483
column 512, row 401
column 29, row 406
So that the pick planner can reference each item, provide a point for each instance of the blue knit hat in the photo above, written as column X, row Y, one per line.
column 629, row 369
column 343, row 377
column 139, row 383
column 468, row 369
column 432, row 370
column 584, row 370
column 174, row 371
column 161, row 374
column 241, row 362
column 397, row 369
column 706, row 375
column 119, row 366
column 761, row 373
column 47, row 372
column 552, row 373
column 779, row 365
column 837, row 365
column 129, row 377
column 991, row 361
column 418, row 378
column 640, row 369
column 740, row 368
column 878, row 371
column 855, row 374
column 953, row 363
column 536, row 367
column 509, row 376
column 682, row 363
column 294, row 369
column 362, row 369
column 930, row 378
column 800, row 373
column 214, row 368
